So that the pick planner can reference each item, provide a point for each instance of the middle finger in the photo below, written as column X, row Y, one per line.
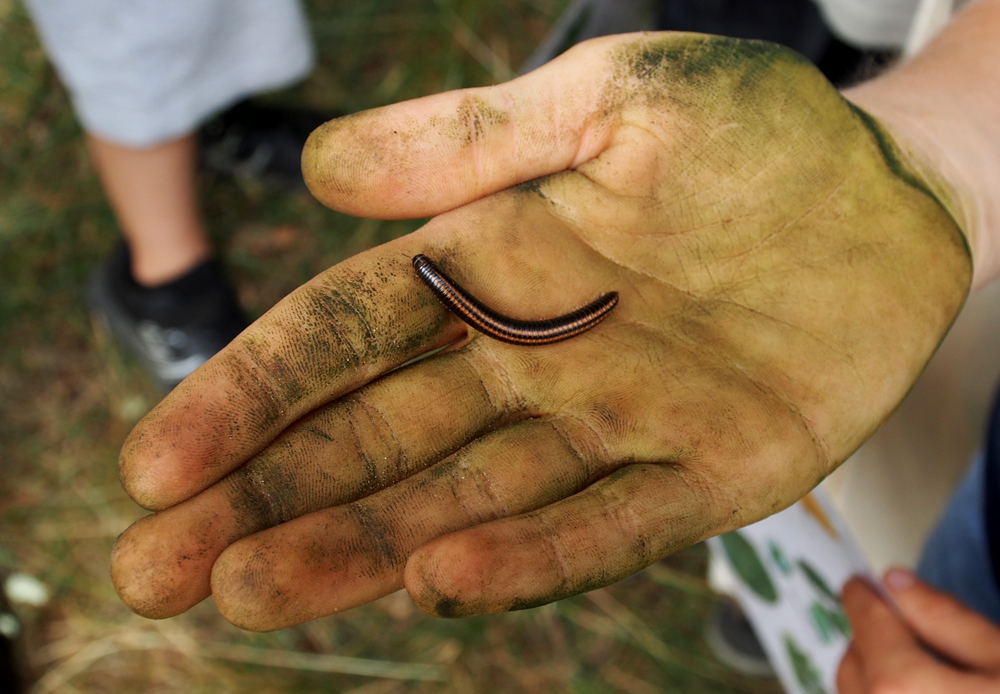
column 341, row 557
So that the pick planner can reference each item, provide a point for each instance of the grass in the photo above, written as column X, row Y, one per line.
column 68, row 398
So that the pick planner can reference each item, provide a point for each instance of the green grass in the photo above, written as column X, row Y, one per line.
column 67, row 400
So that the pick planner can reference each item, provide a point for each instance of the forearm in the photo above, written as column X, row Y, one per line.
column 943, row 108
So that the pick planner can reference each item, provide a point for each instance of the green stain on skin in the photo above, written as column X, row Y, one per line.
column 265, row 492
column 685, row 63
column 890, row 151
column 475, row 117
column 894, row 159
column 706, row 57
column 534, row 187
column 377, row 534
column 596, row 578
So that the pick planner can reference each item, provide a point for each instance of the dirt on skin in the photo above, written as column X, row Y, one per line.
column 784, row 276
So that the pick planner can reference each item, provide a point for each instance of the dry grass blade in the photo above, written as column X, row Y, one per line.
column 631, row 626
column 595, row 623
column 479, row 49
column 635, row 627
column 112, row 522
column 383, row 687
column 58, row 677
column 327, row 28
column 48, row 532
column 57, row 650
column 627, row 682
column 672, row 578
column 184, row 643
column 324, row 663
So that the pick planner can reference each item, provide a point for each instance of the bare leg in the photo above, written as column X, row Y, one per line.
column 153, row 195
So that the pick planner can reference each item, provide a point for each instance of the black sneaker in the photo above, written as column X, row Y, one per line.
column 171, row 329
column 734, row 643
column 260, row 143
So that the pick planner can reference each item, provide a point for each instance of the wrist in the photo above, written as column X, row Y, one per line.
column 948, row 158
column 942, row 111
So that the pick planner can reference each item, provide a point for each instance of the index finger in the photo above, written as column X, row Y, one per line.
column 342, row 329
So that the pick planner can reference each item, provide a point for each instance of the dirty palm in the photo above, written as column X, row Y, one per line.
column 784, row 274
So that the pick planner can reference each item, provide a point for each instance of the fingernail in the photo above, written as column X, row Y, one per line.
column 899, row 579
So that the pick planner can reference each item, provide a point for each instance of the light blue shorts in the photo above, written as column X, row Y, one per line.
column 142, row 72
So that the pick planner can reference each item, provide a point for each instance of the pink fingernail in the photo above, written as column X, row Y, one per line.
column 899, row 579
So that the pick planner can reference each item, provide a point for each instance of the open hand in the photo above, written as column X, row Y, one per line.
column 783, row 273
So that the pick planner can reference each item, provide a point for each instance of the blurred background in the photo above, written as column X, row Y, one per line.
column 68, row 398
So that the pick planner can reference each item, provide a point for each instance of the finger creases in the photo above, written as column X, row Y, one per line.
column 331, row 336
column 608, row 531
column 374, row 438
column 345, row 556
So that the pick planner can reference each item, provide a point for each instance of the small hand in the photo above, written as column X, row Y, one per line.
column 889, row 653
column 783, row 278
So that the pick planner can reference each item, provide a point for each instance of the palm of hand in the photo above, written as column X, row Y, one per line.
column 783, row 279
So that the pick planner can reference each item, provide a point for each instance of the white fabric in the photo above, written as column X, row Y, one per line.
column 871, row 23
column 906, row 24
column 141, row 72
column 931, row 18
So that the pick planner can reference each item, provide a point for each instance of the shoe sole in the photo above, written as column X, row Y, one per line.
column 113, row 319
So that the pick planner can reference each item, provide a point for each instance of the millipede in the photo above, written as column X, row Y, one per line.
column 504, row 328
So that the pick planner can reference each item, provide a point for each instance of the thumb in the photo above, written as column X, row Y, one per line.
column 944, row 624
column 423, row 157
